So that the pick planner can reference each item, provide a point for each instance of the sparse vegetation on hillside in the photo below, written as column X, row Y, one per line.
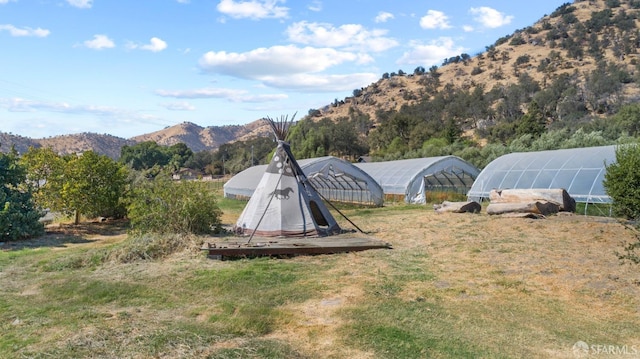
column 576, row 64
column 579, row 64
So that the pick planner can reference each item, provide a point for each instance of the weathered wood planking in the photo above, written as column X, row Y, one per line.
column 291, row 246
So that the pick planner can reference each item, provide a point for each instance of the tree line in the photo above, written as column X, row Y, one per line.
column 90, row 185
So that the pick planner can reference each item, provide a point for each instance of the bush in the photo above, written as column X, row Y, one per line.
column 18, row 215
column 622, row 181
column 164, row 206
column 476, row 71
column 517, row 40
column 523, row 59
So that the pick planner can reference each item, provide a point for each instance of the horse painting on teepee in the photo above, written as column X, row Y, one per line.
column 284, row 202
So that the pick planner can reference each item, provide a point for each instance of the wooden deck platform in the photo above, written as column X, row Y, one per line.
column 284, row 246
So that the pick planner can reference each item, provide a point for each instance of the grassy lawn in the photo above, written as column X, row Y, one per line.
column 454, row 285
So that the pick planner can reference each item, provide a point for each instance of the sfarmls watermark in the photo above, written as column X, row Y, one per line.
column 582, row 349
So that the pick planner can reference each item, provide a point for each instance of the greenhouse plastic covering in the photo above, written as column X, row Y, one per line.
column 580, row 171
column 335, row 179
column 412, row 177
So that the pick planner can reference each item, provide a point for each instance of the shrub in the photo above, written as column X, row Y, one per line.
column 517, row 40
column 523, row 59
column 563, row 9
column 622, row 181
column 476, row 71
column 164, row 206
column 18, row 215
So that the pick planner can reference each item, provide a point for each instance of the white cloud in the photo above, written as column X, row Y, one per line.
column 52, row 118
column 383, row 16
column 23, row 105
column 201, row 93
column 99, row 42
column 306, row 82
column 154, row 45
column 467, row 28
column 2, row 2
column 178, row 106
column 315, row 5
column 435, row 20
column 289, row 67
column 253, row 9
column 260, row 98
column 430, row 54
column 489, row 17
column 274, row 61
column 222, row 93
column 349, row 36
column 82, row 4
column 27, row 31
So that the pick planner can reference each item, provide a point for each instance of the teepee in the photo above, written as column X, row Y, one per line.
column 284, row 202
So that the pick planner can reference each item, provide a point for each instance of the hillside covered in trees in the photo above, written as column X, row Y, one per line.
column 569, row 80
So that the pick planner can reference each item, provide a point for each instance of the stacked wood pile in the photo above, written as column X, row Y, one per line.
column 458, row 207
column 530, row 201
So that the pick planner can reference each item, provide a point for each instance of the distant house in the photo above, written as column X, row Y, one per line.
column 187, row 174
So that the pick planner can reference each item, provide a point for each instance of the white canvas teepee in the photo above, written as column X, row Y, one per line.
column 285, row 203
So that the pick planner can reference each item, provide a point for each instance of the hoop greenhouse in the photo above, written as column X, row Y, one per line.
column 335, row 179
column 579, row 171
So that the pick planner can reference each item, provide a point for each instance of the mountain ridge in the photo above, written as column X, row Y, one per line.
column 196, row 137
column 543, row 51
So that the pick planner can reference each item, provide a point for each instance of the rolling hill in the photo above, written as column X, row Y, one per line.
column 197, row 138
column 572, row 40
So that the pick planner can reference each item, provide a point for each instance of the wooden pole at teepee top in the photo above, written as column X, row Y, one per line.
column 280, row 127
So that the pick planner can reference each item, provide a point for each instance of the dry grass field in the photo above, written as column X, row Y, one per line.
column 454, row 285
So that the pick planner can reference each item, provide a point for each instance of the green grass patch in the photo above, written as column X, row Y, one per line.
column 393, row 328
column 595, row 209
column 249, row 293
column 80, row 291
column 258, row 348
column 184, row 311
column 19, row 256
column 231, row 205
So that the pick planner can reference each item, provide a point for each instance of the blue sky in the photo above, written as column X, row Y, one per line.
column 126, row 68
